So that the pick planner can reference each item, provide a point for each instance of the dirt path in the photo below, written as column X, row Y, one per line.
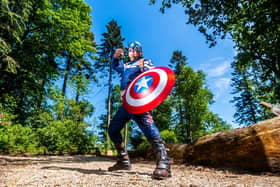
column 92, row 171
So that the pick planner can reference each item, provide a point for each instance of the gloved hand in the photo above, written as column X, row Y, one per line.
column 118, row 53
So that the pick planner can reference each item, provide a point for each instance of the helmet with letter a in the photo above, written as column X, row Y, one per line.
column 136, row 46
column 134, row 50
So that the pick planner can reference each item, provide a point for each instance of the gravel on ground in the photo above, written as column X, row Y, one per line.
column 88, row 170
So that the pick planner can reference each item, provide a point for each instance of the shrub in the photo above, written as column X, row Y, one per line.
column 15, row 138
column 169, row 136
column 66, row 137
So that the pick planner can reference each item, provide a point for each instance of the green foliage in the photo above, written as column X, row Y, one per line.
column 213, row 123
column 103, row 126
column 115, row 104
column 18, row 139
column 64, row 137
column 162, row 114
column 65, row 132
column 41, row 119
column 254, row 27
column 13, row 15
column 248, row 109
column 169, row 136
column 39, row 42
column 40, row 37
column 144, row 144
column 64, row 108
column 190, row 102
column 14, row 138
column 190, row 97
column 112, row 39
column 47, row 134
column 8, row 103
column 136, row 137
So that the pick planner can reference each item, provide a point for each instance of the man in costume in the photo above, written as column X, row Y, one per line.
column 128, row 72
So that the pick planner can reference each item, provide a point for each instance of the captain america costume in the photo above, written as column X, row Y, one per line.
column 144, row 120
column 128, row 73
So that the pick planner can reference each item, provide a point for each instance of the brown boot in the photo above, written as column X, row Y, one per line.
column 123, row 162
column 162, row 170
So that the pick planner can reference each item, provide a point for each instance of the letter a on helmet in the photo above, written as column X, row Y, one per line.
column 148, row 90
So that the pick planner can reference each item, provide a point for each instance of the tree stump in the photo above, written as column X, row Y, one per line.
column 256, row 148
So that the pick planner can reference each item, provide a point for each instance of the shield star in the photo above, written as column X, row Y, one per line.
column 143, row 83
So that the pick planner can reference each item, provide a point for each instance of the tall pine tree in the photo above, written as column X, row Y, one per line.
column 191, row 99
column 112, row 40
column 248, row 109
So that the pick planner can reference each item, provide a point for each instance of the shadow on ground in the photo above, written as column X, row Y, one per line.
column 7, row 160
column 96, row 171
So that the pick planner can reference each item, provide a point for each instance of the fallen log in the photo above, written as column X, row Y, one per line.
column 176, row 151
column 256, row 148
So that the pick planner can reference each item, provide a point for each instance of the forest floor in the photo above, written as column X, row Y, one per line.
column 92, row 171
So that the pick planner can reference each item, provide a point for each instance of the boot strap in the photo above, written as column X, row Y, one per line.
column 163, row 165
column 122, row 154
column 124, row 162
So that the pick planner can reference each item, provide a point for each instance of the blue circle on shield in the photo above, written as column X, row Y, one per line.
column 143, row 84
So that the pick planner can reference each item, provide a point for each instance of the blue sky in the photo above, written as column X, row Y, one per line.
column 161, row 34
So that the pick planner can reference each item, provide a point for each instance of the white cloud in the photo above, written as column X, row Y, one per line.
column 221, row 85
column 219, row 70
column 216, row 67
column 218, row 75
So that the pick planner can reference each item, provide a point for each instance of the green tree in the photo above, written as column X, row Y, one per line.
column 47, row 31
column 248, row 109
column 254, row 28
column 63, row 128
column 177, row 63
column 190, row 100
column 13, row 16
column 69, row 109
column 195, row 99
column 77, row 46
column 112, row 40
column 37, row 39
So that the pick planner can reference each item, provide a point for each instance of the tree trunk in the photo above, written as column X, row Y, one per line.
column 109, row 105
column 66, row 75
column 256, row 147
column 77, row 96
column 42, row 96
column 126, row 135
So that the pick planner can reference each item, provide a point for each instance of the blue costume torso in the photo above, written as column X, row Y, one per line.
column 130, row 70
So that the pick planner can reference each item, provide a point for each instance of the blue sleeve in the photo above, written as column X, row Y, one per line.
column 118, row 65
column 147, row 64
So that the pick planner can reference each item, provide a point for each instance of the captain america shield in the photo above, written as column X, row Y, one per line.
column 148, row 90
